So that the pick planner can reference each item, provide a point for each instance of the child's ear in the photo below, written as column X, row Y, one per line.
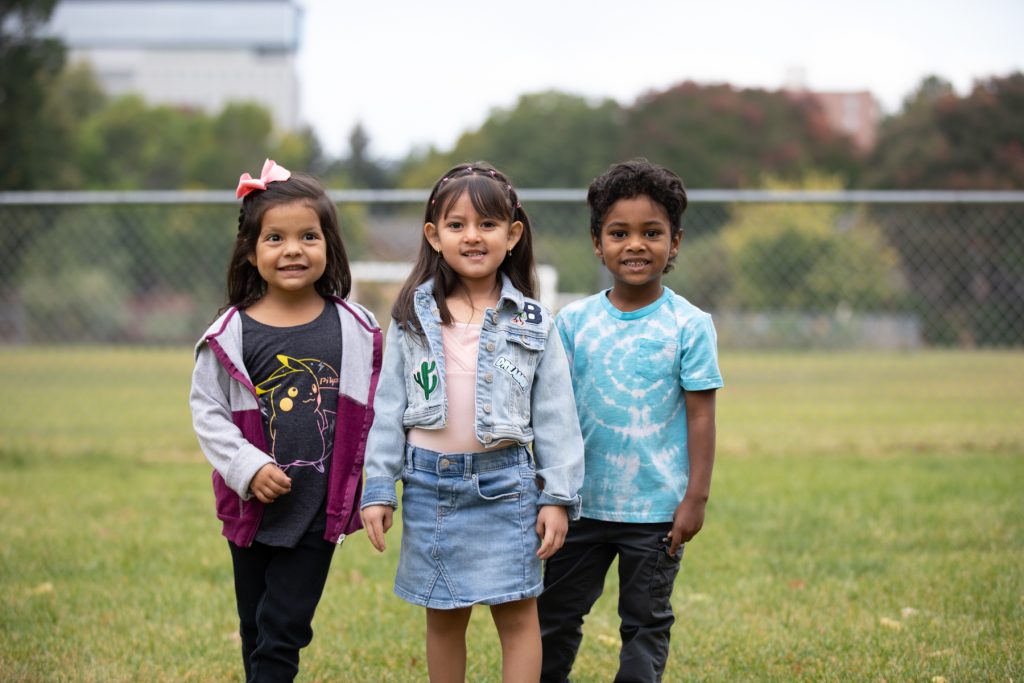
column 676, row 239
column 597, row 247
column 252, row 258
column 515, row 233
column 430, row 232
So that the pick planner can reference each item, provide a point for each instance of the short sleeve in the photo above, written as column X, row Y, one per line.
column 698, row 368
column 562, row 325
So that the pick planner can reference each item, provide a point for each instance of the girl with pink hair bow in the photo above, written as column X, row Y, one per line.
column 281, row 401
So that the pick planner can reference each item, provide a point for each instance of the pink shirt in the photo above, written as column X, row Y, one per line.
column 461, row 342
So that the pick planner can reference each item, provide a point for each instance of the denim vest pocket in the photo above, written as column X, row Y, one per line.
column 528, row 337
column 519, row 360
column 655, row 359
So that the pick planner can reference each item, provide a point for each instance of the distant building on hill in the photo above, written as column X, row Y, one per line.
column 855, row 113
column 191, row 53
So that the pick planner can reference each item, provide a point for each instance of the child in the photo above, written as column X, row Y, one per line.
column 645, row 369
column 281, row 402
column 474, row 373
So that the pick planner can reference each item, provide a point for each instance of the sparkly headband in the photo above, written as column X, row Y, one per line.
column 469, row 170
column 271, row 173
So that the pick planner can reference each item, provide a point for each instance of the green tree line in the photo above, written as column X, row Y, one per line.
column 60, row 131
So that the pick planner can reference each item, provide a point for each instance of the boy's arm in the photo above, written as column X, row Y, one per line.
column 700, row 425
column 552, row 526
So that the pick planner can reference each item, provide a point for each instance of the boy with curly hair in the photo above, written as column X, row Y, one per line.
column 644, row 365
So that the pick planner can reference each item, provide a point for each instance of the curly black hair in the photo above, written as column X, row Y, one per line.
column 633, row 178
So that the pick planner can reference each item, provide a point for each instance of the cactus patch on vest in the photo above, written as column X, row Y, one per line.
column 426, row 378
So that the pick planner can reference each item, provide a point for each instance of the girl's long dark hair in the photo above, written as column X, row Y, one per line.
column 245, row 286
column 493, row 197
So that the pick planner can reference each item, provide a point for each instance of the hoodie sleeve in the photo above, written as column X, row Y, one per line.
column 220, row 438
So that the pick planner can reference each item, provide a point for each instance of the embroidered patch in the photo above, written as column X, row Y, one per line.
column 510, row 369
column 529, row 314
column 532, row 312
column 426, row 378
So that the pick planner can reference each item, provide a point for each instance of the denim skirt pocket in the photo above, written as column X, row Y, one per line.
column 506, row 483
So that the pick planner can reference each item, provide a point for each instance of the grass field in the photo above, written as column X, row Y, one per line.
column 866, row 524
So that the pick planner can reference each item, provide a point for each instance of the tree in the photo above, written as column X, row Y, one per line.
column 548, row 139
column 360, row 169
column 28, row 66
column 235, row 140
column 239, row 138
column 942, row 141
column 793, row 257
column 720, row 136
column 72, row 98
column 714, row 136
column 129, row 145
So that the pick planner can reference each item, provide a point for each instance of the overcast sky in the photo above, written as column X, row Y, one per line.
column 421, row 73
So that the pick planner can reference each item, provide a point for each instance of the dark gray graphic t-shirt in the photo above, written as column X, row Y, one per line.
column 295, row 372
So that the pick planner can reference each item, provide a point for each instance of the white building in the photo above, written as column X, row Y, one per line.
column 192, row 53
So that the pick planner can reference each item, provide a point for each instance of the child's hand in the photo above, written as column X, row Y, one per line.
column 377, row 520
column 686, row 522
column 269, row 483
column 552, row 526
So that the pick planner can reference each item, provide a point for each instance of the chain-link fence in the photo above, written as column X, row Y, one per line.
column 777, row 269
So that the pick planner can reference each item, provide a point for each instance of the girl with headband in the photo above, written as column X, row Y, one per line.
column 476, row 417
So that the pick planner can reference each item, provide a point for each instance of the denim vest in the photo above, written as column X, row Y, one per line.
column 523, row 394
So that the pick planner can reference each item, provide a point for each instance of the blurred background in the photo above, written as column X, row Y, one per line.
column 838, row 199
column 856, row 228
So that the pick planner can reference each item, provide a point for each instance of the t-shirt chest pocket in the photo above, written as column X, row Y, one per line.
column 655, row 359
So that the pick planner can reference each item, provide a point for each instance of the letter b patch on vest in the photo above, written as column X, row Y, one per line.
column 529, row 314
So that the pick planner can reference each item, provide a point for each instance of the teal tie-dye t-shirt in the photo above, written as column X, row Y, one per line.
column 629, row 370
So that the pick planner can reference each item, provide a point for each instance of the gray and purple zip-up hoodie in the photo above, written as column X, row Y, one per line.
column 227, row 420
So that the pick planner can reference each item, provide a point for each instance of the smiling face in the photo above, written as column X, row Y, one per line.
column 473, row 245
column 635, row 244
column 291, row 253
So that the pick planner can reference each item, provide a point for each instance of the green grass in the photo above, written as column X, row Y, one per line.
column 866, row 523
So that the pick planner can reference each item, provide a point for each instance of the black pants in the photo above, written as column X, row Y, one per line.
column 574, row 579
column 277, row 590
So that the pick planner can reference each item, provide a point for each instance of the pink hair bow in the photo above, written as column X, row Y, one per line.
column 271, row 173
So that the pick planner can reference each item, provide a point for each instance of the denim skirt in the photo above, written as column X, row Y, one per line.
column 468, row 528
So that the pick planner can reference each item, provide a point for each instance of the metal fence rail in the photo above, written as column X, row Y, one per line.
column 777, row 269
